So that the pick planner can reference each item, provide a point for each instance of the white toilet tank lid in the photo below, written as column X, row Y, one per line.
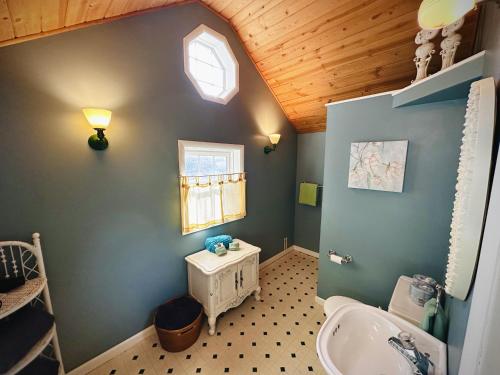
column 401, row 303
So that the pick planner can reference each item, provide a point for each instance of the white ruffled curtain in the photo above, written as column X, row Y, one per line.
column 211, row 200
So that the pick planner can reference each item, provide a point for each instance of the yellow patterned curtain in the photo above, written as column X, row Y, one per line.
column 211, row 200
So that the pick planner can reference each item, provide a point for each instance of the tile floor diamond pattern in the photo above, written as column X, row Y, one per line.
column 274, row 336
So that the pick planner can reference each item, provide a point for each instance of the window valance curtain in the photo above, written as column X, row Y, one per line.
column 211, row 200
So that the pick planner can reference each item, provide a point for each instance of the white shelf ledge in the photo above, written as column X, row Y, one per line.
column 451, row 83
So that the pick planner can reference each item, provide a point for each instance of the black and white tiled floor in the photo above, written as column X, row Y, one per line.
column 274, row 336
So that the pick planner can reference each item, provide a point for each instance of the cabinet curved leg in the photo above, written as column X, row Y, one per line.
column 211, row 324
column 256, row 293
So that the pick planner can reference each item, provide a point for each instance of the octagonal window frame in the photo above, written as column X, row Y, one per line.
column 221, row 50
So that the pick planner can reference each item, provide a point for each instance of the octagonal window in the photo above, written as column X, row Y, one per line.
column 210, row 64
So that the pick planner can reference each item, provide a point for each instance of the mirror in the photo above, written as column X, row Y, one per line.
column 472, row 188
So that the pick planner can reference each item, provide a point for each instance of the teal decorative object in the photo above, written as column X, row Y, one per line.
column 234, row 246
column 211, row 242
column 220, row 249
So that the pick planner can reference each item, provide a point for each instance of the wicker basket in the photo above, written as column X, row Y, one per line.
column 176, row 339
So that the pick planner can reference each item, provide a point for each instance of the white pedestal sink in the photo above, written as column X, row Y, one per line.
column 353, row 341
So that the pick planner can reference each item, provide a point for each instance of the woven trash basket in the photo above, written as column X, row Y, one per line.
column 178, row 323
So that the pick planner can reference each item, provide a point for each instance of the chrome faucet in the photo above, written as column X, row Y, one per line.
column 405, row 345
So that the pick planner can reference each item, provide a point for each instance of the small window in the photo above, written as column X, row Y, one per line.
column 210, row 64
column 204, row 159
column 212, row 184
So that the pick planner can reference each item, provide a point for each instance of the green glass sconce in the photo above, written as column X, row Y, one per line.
column 99, row 120
column 274, row 138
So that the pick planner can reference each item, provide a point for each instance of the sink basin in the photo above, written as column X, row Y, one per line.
column 353, row 341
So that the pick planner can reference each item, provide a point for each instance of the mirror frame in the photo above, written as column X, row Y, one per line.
column 472, row 188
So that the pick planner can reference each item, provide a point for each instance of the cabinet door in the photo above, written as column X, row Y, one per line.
column 226, row 286
column 248, row 275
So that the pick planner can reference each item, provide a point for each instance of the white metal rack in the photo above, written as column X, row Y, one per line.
column 21, row 258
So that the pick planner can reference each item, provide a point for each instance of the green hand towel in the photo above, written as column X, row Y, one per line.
column 428, row 317
column 308, row 194
column 434, row 323
column 440, row 329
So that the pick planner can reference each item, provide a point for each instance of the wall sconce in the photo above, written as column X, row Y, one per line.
column 99, row 120
column 274, row 138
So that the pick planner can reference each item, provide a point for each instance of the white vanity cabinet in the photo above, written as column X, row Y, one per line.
column 223, row 282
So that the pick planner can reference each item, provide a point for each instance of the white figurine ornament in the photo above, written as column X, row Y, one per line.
column 450, row 43
column 424, row 52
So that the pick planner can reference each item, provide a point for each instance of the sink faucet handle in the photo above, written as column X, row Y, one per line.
column 407, row 340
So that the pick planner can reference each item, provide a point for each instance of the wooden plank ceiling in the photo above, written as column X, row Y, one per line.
column 310, row 52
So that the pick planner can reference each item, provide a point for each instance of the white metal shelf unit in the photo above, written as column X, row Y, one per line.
column 21, row 258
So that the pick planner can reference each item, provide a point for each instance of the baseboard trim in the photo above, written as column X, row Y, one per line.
column 320, row 301
column 275, row 257
column 306, row 251
column 112, row 352
column 282, row 253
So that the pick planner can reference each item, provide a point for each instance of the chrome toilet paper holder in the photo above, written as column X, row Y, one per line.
column 345, row 258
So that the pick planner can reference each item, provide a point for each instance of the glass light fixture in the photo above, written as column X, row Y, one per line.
column 99, row 120
column 274, row 138
column 436, row 14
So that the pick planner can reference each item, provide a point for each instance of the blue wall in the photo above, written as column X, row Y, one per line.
column 110, row 221
column 310, row 166
column 388, row 234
